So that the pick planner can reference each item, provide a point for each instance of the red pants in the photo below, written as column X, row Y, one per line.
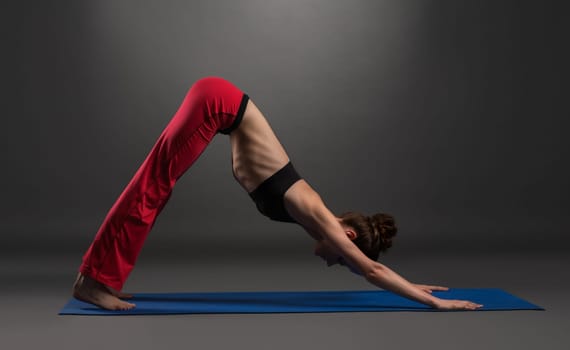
column 212, row 105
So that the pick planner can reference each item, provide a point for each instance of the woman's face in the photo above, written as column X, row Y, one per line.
column 327, row 253
column 324, row 250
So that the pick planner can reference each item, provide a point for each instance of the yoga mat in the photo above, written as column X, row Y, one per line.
column 294, row 302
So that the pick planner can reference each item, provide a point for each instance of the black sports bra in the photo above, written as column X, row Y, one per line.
column 269, row 195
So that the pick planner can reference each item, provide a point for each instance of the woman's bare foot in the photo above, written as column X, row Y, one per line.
column 89, row 290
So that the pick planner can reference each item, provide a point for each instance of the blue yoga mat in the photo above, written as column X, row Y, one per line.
column 294, row 302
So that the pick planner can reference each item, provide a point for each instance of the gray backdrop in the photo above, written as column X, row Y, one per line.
column 449, row 115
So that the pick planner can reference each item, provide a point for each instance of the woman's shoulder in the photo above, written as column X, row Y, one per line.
column 305, row 205
column 301, row 193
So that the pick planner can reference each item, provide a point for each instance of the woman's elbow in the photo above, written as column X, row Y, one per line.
column 373, row 272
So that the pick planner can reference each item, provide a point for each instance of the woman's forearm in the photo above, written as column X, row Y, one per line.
column 383, row 277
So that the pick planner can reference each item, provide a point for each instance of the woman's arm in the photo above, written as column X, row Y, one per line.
column 308, row 209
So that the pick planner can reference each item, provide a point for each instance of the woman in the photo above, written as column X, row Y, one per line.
column 262, row 167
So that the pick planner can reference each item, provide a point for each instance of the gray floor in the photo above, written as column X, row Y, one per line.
column 35, row 289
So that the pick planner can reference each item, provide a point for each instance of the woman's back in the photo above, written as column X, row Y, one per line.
column 256, row 152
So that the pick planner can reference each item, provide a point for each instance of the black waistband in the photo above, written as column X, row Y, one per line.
column 239, row 116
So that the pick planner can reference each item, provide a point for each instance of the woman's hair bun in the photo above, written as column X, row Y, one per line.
column 385, row 227
column 374, row 233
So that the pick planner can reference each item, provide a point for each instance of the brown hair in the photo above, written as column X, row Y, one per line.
column 374, row 233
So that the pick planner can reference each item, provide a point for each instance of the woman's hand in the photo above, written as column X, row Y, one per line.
column 429, row 289
column 444, row 304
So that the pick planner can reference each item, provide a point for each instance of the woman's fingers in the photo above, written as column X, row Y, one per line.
column 429, row 289
column 467, row 305
column 438, row 288
column 445, row 304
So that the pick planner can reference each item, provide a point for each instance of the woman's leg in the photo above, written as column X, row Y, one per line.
column 212, row 105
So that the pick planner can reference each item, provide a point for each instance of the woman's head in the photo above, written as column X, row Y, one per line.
column 373, row 233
